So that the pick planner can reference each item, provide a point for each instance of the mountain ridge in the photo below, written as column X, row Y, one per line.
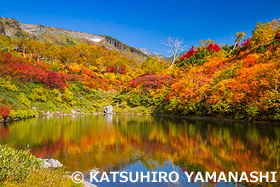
column 16, row 29
column 150, row 53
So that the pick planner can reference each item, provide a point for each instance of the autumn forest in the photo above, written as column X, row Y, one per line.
column 240, row 81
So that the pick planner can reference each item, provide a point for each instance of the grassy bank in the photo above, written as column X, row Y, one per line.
column 30, row 100
column 20, row 168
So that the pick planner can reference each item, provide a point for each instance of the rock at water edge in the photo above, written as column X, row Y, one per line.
column 108, row 109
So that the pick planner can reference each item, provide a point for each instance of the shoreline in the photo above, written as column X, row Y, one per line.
column 57, row 114
column 51, row 115
column 204, row 118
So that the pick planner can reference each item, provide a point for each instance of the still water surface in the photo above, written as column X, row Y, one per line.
column 147, row 143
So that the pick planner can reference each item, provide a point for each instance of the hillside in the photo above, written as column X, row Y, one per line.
column 153, row 54
column 238, row 82
column 15, row 29
column 221, row 45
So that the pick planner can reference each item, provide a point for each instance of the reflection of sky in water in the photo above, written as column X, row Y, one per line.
column 138, row 167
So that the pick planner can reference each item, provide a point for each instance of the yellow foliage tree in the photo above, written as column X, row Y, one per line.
column 205, row 43
column 239, row 37
column 263, row 33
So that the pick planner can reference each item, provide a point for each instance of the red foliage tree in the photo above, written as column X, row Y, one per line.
column 213, row 47
column 4, row 112
column 17, row 68
column 147, row 82
column 189, row 54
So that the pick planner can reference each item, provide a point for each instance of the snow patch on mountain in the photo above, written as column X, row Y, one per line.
column 96, row 40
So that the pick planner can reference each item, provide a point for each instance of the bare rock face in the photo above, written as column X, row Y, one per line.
column 150, row 53
column 108, row 109
column 123, row 47
column 13, row 28
column 2, row 28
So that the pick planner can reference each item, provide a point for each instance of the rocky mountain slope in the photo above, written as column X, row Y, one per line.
column 150, row 53
column 13, row 28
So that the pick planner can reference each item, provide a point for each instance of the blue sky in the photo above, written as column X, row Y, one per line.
column 147, row 23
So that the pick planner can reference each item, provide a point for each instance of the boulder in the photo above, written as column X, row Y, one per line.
column 54, row 163
column 108, row 109
column 73, row 111
column 50, row 163
column 44, row 163
column 48, row 113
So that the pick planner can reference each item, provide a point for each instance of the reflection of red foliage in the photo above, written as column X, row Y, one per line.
column 4, row 131
column 4, row 112
column 47, row 149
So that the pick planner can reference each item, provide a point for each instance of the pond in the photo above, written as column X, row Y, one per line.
column 148, row 143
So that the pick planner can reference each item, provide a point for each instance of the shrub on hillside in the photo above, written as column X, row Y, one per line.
column 272, row 46
column 4, row 112
column 17, row 68
column 23, row 113
column 16, row 165
column 23, row 100
column 148, row 82
column 8, row 85
column 245, row 45
column 194, row 56
column 20, row 168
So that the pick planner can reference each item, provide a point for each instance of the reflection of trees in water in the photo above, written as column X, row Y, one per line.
column 47, row 149
column 206, row 146
column 4, row 131
column 87, row 142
